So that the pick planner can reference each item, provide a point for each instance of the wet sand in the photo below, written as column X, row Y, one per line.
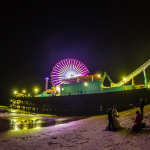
column 84, row 134
column 15, row 119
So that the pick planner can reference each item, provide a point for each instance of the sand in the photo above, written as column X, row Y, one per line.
column 84, row 134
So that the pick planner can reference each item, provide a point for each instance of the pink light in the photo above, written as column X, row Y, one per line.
column 71, row 67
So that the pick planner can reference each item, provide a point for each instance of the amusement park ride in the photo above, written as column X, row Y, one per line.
column 72, row 74
column 75, row 91
column 134, row 74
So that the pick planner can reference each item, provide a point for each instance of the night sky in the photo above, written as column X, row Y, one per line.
column 105, row 36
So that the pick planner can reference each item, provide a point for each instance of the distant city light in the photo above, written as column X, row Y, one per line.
column 23, row 91
column 35, row 90
column 85, row 84
column 58, row 88
column 98, row 75
column 124, row 79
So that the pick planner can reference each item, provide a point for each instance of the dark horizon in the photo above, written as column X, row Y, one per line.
column 108, row 37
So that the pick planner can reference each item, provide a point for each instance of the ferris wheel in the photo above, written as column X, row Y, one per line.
column 66, row 69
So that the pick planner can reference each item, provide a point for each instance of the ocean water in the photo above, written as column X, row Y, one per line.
column 15, row 119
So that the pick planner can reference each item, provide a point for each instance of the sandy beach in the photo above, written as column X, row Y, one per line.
column 83, row 134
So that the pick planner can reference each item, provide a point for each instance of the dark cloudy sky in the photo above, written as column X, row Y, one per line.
column 106, row 36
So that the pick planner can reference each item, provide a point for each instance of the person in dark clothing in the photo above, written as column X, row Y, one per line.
column 110, row 118
column 141, row 105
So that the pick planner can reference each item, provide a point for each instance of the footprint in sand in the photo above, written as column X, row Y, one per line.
column 5, row 141
column 54, row 137
column 52, row 144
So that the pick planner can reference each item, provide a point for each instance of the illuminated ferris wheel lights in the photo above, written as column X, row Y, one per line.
column 67, row 68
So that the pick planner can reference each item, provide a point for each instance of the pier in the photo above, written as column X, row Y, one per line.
column 88, row 104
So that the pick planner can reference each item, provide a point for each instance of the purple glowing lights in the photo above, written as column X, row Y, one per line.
column 67, row 68
column 46, row 78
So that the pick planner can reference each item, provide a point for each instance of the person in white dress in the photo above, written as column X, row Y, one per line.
column 115, row 118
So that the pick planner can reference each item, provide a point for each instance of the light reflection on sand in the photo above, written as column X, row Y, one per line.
column 25, row 122
column 16, row 120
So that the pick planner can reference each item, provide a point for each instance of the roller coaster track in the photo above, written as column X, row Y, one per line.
column 133, row 74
